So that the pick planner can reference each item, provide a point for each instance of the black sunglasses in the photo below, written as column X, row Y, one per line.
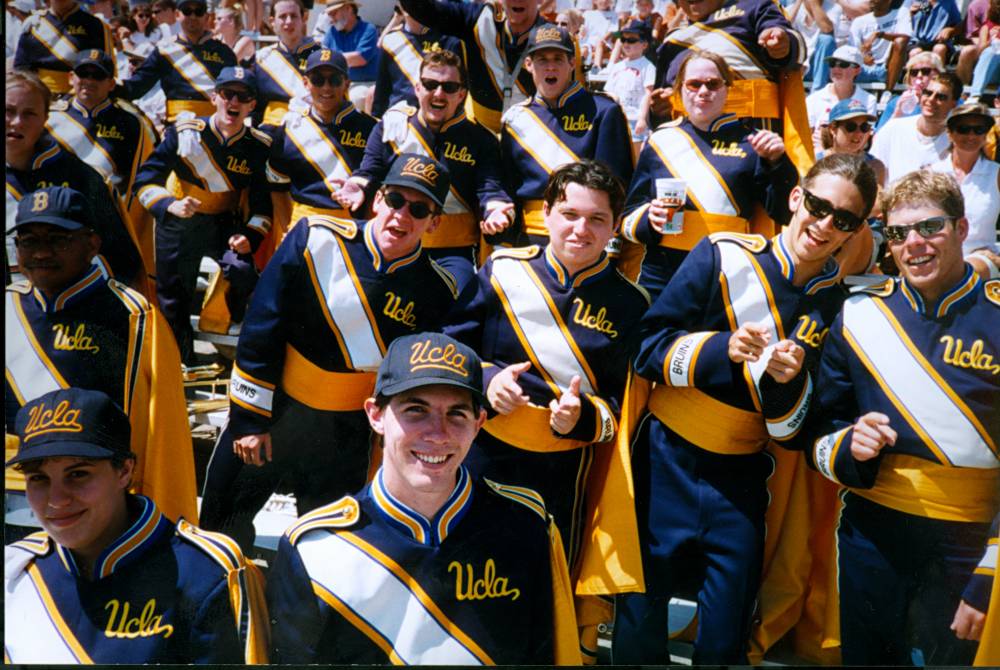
column 844, row 221
column 395, row 200
column 142, row 15
column 925, row 228
column 920, row 71
column 230, row 93
column 976, row 129
column 940, row 96
column 197, row 11
column 842, row 64
column 447, row 86
column 92, row 73
column 318, row 79
column 851, row 126
column 630, row 40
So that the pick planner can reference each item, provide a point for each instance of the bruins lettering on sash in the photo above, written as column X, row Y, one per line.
column 598, row 322
column 458, row 154
column 423, row 355
column 77, row 340
column 575, row 124
column 147, row 624
column 352, row 140
column 395, row 310
column 807, row 332
column 467, row 587
column 61, row 419
column 728, row 150
column 972, row 358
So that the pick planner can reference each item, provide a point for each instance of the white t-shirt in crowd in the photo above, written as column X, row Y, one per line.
column 904, row 149
column 819, row 104
column 597, row 24
column 627, row 81
column 982, row 206
column 897, row 21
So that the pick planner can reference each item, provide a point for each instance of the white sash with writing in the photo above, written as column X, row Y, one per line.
column 32, row 633
column 922, row 396
column 407, row 56
column 704, row 185
column 722, row 43
column 190, row 67
column 543, row 332
column 496, row 64
column 538, row 139
column 53, row 40
column 414, row 143
column 13, row 197
column 347, row 307
column 283, row 73
column 69, row 133
column 204, row 166
column 321, row 152
column 27, row 372
column 393, row 604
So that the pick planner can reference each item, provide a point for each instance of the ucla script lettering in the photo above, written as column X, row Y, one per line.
column 598, row 322
column 147, row 624
column 467, row 587
column 972, row 358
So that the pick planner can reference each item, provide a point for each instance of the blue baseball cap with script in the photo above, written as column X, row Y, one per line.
column 422, row 174
column 427, row 359
column 71, row 422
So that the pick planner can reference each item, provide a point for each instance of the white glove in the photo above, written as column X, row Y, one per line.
column 394, row 125
column 187, row 139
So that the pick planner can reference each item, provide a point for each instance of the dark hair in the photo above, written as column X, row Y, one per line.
column 445, row 58
column 302, row 7
column 382, row 401
column 852, row 168
column 164, row 4
column 589, row 174
column 951, row 80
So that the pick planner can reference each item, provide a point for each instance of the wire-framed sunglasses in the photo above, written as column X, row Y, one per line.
column 926, row 228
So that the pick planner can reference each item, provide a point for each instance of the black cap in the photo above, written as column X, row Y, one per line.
column 97, row 58
column 637, row 26
column 203, row 3
column 327, row 58
column 422, row 174
column 56, row 205
column 236, row 75
column 426, row 359
column 550, row 36
column 72, row 422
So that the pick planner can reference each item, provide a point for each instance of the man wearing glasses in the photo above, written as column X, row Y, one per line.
column 905, row 416
column 313, row 153
column 185, row 67
column 731, row 344
column 336, row 293
column 913, row 142
column 476, row 203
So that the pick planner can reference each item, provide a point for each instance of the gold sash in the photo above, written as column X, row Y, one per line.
column 706, row 422
column 321, row 389
column 699, row 225
column 528, row 428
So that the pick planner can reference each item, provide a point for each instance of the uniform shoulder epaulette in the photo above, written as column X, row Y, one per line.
column 882, row 289
column 673, row 123
column 520, row 494
column 344, row 227
column 751, row 242
column 262, row 136
column 190, row 124
column 992, row 290
column 402, row 107
column 220, row 548
column 264, row 52
column 23, row 286
column 37, row 543
column 134, row 300
column 520, row 253
column 343, row 513
column 59, row 105
column 514, row 110
column 449, row 278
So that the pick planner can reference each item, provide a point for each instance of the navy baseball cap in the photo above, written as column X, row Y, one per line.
column 422, row 174
column 849, row 109
column 550, row 36
column 96, row 58
column 327, row 58
column 72, row 422
column 426, row 359
column 56, row 205
column 202, row 3
column 236, row 75
column 637, row 26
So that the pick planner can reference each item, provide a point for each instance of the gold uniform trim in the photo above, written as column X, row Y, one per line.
column 708, row 423
column 528, row 428
column 321, row 389
column 699, row 225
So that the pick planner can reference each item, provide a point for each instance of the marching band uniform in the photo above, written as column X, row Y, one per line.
column 222, row 174
column 49, row 44
column 472, row 156
column 162, row 593
column 917, row 517
column 700, row 470
column 399, row 64
column 536, row 139
column 187, row 72
column 368, row 580
column 98, row 334
column 524, row 306
column 725, row 178
column 279, row 79
column 325, row 308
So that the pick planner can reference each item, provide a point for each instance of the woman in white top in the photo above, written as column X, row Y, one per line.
column 979, row 179
column 143, row 33
column 228, row 26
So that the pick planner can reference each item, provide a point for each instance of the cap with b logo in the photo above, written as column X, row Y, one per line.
column 427, row 359
column 635, row 27
column 422, row 174
column 56, row 205
column 71, row 422
column 96, row 58
column 550, row 36
column 327, row 58
column 236, row 75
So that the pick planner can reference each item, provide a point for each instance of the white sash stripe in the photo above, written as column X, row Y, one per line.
column 543, row 333
column 537, row 139
column 707, row 39
column 376, row 595
column 681, row 357
column 250, row 392
column 823, row 454
column 405, row 54
column 53, row 40
column 894, row 365
column 414, row 144
column 341, row 295
column 69, row 132
column 259, row 223
column 30, row 636
column 700, row 177
column 205, row 168
column 782, row 430
column 319, row 150
column 989, row 561
column 486, row 36
column 283, row 73
column 26, row 370
column 11, row 203
column 190, row 67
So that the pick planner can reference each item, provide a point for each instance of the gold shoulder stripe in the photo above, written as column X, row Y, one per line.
column 222, row 549
column 754, row 243
column 190, row 124
column 448, row 278
column 992, row 290
column 262, row 136
column 23, row 287
column 343, row 513
column 527, row 497
column 881, row 289
column 37, row 543
column 521, row 253
column 345, row 227
column 138, row 300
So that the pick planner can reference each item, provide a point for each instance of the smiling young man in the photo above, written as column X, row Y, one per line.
column 428, row 563
column 334, row 295
column 110, row 579
column 209, row 164
column 280, row 66
column 906, row 418
column 730, row 345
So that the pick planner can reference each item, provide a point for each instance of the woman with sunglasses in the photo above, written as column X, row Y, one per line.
column 848, row 131
column 920, row 69
column 979, row 179
column 143, row 31
column 705, row 173
column 229, row 29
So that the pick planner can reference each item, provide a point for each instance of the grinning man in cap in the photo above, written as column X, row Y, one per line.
column 427, row 564
column 186, row 67
column 279, row 66
column 194, row 183
column 329, row 302
column 111, row 579
column 71, row 324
